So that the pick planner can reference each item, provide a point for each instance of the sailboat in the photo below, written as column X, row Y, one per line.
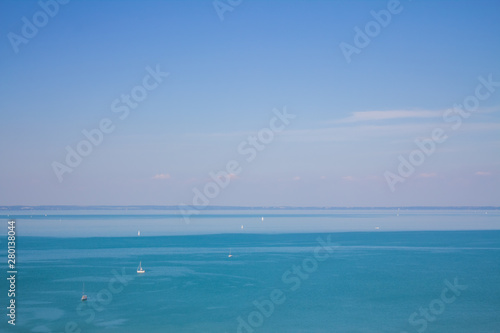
column 139, row 269
column 138, row 233
column 230, row 255
column 84, row 297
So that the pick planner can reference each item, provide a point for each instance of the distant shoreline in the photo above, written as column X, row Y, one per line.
column 153, row 207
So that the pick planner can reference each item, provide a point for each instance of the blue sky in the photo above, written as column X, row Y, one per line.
column 353, row 120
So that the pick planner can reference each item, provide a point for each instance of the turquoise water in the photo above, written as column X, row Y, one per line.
column 123, row 223
column 299, row 281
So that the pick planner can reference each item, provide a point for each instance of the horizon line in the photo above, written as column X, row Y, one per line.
column 233, row 207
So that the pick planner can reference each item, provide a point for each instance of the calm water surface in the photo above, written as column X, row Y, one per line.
column 308, row 271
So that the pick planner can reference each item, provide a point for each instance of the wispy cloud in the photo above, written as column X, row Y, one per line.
column 161, row 176
column 365, row 131
column 483, row 173
column 386, row 115
column 362, row 116
column 230, row 176
column 428, row 175
column 366, row 125
column 357, row 133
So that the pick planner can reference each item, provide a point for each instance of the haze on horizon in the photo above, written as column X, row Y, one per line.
column 281, row 103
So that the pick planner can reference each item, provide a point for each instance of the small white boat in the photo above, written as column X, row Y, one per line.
column 230, row 255
column 140, row 269
column 138, row 232
column 84, row 297
column 262, row 218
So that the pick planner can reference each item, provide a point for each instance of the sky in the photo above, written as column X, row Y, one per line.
column 251, row 103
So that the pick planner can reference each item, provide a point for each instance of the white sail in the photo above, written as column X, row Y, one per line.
column 84, row 297
column 140, row 269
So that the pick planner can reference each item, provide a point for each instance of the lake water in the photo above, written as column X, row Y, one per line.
column 295, row 271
